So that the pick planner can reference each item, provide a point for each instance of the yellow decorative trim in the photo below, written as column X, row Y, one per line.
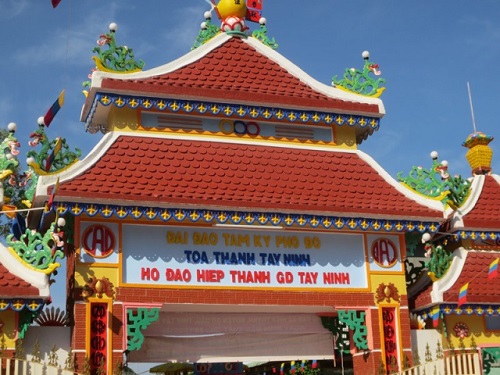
column 376, row 95
column 49, row 270
column 41, row 172
column 102, row 68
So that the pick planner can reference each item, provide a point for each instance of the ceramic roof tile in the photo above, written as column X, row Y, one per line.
column 215, row 76
column 484, row 215
column 236, row 175
column 475, row 272
column 13, row 286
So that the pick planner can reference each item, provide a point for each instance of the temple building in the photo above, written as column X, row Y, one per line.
column 227, row 215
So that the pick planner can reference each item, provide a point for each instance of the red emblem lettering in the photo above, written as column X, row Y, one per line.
column 384, row 252
column 98, row 241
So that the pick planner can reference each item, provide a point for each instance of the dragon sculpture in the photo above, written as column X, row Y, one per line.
column 54, row 155
column 360, row 81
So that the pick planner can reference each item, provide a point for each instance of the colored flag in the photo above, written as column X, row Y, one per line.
column 493, row 272
column 282, row 369
column 254, row 10
column 434, row 313
column 53, row 195
column 51, row 113
column 55, row 3
column 50, row 159
column 462, row 295
column 314, row 364
column 292, row 367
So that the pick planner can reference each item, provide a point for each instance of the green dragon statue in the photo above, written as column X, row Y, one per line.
column 439, row 258
column 41, row 252
column 437, row 183
column 116, row 59
column 54, row 155
column 360, row 82
column 207, row 32
column 261, row 34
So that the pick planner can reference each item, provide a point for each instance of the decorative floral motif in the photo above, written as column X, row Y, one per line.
column 387, row 292
column 461, row 330
column 98, row 287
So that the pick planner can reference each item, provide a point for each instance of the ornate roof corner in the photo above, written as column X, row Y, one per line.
column 261, row 34
column 16, row 188
column 54, row 156
column 436, row 183
column 439, row 258
column 37, row 250
column 360, row 81
column 116, row 59
column 207, row 32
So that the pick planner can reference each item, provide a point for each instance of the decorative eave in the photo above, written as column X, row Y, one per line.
column 454, row 309
column 442, row 285
column 95, row 122
column 422, row 210
column 268, row 219
column 469, row 267
column 478, row 217
column 38, row 280
column 456, row 216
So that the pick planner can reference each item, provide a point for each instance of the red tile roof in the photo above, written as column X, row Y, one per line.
column 236, row 72
column 484, row 215
column 12, row 286
column 209, row 174
column 475, row 272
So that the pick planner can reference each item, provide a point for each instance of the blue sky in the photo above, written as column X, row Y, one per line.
column 427, row 52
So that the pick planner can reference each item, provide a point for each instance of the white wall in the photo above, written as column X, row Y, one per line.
column 47, row 337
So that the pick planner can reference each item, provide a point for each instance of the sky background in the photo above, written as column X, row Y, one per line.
column 427, row 52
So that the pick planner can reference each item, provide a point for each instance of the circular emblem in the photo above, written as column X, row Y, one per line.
column 98, row 241
column 384, row 252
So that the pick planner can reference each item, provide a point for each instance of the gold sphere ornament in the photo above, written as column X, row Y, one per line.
column 231, row 8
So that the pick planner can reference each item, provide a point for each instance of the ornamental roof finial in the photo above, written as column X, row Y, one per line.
column 480, row 154
column 360, row 82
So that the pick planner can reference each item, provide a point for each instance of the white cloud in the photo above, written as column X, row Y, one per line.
column 12, row 8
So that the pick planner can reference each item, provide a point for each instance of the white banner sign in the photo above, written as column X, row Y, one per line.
column 159, row 255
